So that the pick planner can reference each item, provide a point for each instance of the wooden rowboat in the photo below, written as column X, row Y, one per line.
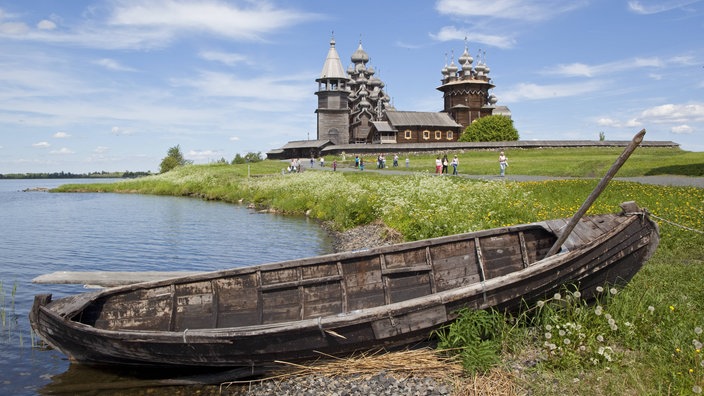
column 340, row 303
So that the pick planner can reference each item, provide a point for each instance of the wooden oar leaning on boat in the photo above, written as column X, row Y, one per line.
column 637, row 139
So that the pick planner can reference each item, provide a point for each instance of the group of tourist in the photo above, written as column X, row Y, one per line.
column 442, row 165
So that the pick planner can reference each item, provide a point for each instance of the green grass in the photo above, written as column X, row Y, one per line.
column 576, row 162
column 655, row 347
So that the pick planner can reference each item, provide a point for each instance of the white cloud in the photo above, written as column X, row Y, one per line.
column 120, row 131
column 215, row 17
column 582, row 70
column 234, row 138
column 62, row 151
column 449, row 33
column 529, row 91
column 203, row 154
column 682, row 129
column 610, row 122
column 532, row 10
column 60, row 135
column 100, row 150
column 279, row 88
column 141, row 24
column 13, row 28
column 674, row 113
column 46, row 24
column 657, row 6
column 227, row 58
column 112, row 64
column 41, row 145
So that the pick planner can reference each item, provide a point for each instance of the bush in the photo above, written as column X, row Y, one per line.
column 494, row 128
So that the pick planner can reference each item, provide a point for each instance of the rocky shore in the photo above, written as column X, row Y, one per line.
column 380, row 384
column 363, row 237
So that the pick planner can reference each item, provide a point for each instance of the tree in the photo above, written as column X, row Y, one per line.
column 173, row 158
column 493, row 128
column 249, row 157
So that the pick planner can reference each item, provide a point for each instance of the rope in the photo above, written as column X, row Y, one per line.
column 677, row 225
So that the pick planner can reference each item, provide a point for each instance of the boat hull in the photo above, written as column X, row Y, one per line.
column 341, row 303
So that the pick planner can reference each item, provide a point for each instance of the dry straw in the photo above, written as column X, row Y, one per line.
column 419, row 363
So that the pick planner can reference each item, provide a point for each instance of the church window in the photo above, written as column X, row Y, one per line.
column 426, row 134
column 450, row 135
column 408, row 134
column 438, row 135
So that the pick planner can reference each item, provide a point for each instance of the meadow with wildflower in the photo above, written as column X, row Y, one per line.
column 643, row 339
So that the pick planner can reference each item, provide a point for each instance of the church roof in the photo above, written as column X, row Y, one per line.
column 420, row 118
column 383, row 126
column 298, row 144
column 333, row 66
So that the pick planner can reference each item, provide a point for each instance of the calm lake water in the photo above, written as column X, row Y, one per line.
column 45, row 232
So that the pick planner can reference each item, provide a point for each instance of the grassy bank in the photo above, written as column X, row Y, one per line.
column 644, row 339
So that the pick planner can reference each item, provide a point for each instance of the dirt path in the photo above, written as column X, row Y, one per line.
column 662, row 180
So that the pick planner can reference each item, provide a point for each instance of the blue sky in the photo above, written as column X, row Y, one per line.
column 111, row 85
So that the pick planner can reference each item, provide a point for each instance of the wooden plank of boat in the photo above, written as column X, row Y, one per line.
column 340, row 303
column 107, row 278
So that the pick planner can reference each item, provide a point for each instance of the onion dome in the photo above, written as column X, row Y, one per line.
column 350, row 69
column 493, row 99
column 452, row 69
column 465, row 58
column 374, row 81
column 360, row 56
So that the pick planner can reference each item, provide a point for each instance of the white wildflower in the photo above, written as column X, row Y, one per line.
column 697, row 330
column 599, row 289
column 613, row 290
column 557, row 296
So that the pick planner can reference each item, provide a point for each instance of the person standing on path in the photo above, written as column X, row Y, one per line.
column 334, row 165
column 455, row 163
column 438, row 165
column 503, row 163
column 444, row 164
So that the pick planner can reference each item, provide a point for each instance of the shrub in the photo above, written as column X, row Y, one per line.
column 494, row 128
